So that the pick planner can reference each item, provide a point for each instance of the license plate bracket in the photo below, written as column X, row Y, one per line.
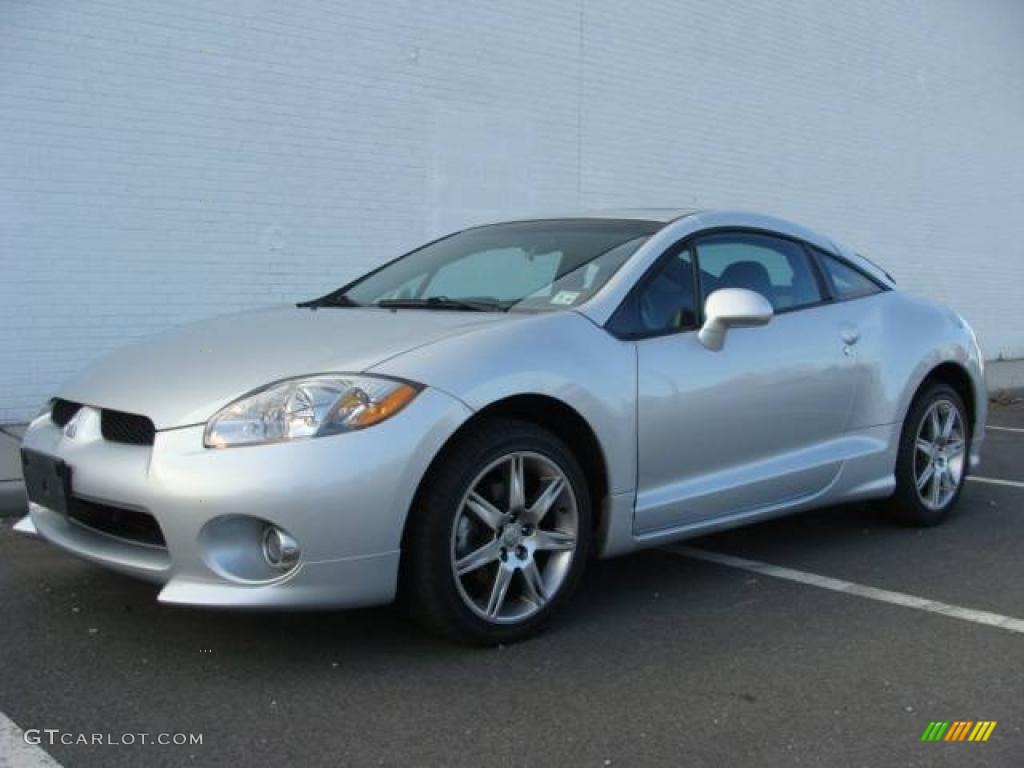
column 47, row 480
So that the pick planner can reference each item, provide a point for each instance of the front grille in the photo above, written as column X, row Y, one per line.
column 126, row 524
column 63, row 411
column 120, row 427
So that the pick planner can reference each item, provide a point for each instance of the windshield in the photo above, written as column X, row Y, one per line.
column 536, row 265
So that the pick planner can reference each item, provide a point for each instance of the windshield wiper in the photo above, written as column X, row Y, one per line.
column 443, row 302
column 330, row 300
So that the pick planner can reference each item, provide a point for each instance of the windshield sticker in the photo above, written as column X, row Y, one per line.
column 565, row 297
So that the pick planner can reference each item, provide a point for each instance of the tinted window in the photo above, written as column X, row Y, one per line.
column 778, row 269
column 664, row 301
column 847, row 282
column 579, row 284
column 503, row 273
column 542, row 265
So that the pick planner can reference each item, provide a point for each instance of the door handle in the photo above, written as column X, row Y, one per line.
column 850, row 335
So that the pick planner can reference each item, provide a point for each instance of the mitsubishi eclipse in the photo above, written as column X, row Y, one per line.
column 470, row 423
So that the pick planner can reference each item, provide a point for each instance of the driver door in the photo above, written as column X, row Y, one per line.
column 746, row 427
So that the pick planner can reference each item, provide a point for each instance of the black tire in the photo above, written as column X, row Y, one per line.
column 906, row 505
column 430, row 591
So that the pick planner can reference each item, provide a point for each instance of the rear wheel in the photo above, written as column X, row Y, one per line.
column 500, row 535
column 932, row 463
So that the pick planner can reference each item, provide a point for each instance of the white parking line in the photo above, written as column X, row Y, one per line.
column 838, row 585
column 996, row 481
column 15, row 753
column 1004, row 429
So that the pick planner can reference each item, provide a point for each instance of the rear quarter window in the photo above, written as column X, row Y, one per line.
column 847, row 282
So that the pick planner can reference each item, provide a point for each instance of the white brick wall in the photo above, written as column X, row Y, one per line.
column 331, row 136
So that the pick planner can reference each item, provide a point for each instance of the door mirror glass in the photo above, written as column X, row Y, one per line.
column 732, row 308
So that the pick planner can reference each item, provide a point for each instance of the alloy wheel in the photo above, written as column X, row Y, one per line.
column 939, row 454
column 514, row 537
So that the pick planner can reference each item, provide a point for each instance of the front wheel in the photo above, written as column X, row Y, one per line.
column 499, row 536
column 931, row 466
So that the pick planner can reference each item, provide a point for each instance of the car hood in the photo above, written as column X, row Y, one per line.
column 186, row 375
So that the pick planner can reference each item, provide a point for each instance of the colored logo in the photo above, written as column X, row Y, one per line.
column 959, row 730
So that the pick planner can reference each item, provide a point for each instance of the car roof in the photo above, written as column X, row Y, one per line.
column 659, row 215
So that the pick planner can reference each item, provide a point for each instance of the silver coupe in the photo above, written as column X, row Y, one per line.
column 470, row 423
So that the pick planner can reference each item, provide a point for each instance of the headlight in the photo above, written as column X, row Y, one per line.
column 44, row 413
column 308, row 407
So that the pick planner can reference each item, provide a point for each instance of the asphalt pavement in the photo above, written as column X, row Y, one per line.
column 662, row 659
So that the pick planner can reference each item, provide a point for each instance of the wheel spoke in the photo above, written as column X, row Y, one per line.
column 554, row 541
column 499, row 591
column 934, row 422
column 947, row 427
column 954, row 448
column 546, row 500
column 936, row 489
column 924, row 477
column 478, row 558
column 516, row 485
column 534, row 580
column 485, row 512
column 924, row 446
column 955, row 474
column 947, row 486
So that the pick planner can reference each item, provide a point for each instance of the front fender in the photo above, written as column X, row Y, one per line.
column 561, row 355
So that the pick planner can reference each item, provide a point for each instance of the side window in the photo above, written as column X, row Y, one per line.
column 847, row 282
column 664, row 301
column 778, row 269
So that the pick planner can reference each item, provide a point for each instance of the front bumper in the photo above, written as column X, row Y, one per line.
column 343, row 498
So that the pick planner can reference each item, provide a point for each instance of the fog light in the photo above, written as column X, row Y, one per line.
column 280, row 550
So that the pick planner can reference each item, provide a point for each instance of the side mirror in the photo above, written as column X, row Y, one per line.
column 732, row 308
